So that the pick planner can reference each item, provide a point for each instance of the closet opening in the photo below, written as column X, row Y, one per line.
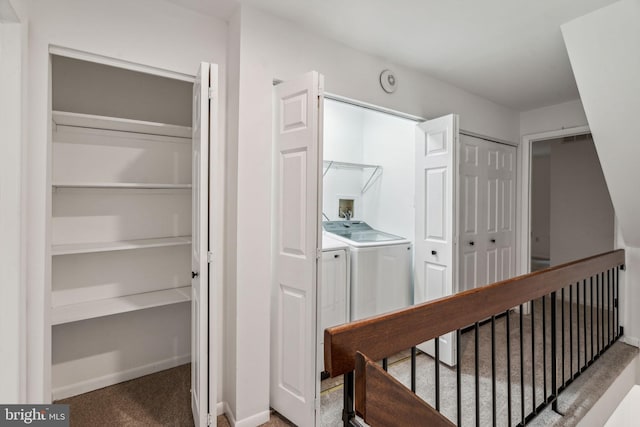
column 120, row 232
column 380, row 188
column 368, row 221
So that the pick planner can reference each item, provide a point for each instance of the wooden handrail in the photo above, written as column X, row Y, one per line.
column 382, row 336
column 381, row 400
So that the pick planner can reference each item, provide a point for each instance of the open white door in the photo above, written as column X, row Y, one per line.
column 436, row 219
column 297, row 237
column 202, row 387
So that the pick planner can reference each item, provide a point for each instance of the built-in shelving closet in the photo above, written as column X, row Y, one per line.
column 120, row 174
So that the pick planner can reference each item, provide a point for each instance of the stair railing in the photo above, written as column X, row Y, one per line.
column 566, row 316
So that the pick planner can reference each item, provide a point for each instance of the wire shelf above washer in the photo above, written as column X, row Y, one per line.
column 375, row 173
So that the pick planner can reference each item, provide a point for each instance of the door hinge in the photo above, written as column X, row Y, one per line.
column 209, row 419
column 209, row 257
column 211, row 92
column 317, row 404
column 318, row 253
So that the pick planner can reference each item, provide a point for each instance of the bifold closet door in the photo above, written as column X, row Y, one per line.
column 203, row 386
column 501, row 212
column 298, row 194
column 436, row 226
column 487, row 212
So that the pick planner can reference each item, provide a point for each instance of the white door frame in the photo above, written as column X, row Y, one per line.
column 523, row 239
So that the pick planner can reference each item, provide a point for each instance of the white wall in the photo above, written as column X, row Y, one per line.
column 582, row 217
column 602, row 49
column 554, row 117
column 342, row 139
column 285, row 50
column 273, row 48
column 169, row 38
column 343, row 131
column 13, row 136
column 389, row 204
column 358, row 135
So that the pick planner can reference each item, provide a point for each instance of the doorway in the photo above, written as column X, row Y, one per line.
column 572, row 216
column 486, row 171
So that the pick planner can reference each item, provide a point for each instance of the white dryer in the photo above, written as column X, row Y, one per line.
column 381, row 279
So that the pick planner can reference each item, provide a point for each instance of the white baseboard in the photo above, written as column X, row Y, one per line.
column 608, row 402
column 220, row 408
column 229, row 414
column 631, row 341
column 252, row 421
column 118, row 377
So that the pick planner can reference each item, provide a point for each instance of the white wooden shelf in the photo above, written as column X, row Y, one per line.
column 107, row 307
column 123, row 245
column 63, row 118
column 124, row 185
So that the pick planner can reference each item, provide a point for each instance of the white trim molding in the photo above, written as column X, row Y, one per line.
column 524, row 216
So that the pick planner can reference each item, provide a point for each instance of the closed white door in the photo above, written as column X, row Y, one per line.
column 435, row 266
column 202, row 387
column 501, row 232
column 297, row 235
column 487, row 212
column 473, row 245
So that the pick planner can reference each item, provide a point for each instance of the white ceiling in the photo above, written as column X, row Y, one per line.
column 508, row 51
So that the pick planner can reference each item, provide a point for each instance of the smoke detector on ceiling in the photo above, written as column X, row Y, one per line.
column 388, row 81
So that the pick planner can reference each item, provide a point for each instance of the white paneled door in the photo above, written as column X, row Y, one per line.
column 298, row 192
column 487, row 212
column 435, row 271
column 203, row 396
column 473, row 199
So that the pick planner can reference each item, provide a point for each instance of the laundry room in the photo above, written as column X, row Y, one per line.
column 368, row 202
column 368, row 216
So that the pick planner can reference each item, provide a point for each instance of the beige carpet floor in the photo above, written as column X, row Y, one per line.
column 159, row 399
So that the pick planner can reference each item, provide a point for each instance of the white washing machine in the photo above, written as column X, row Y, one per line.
column 381, row 278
